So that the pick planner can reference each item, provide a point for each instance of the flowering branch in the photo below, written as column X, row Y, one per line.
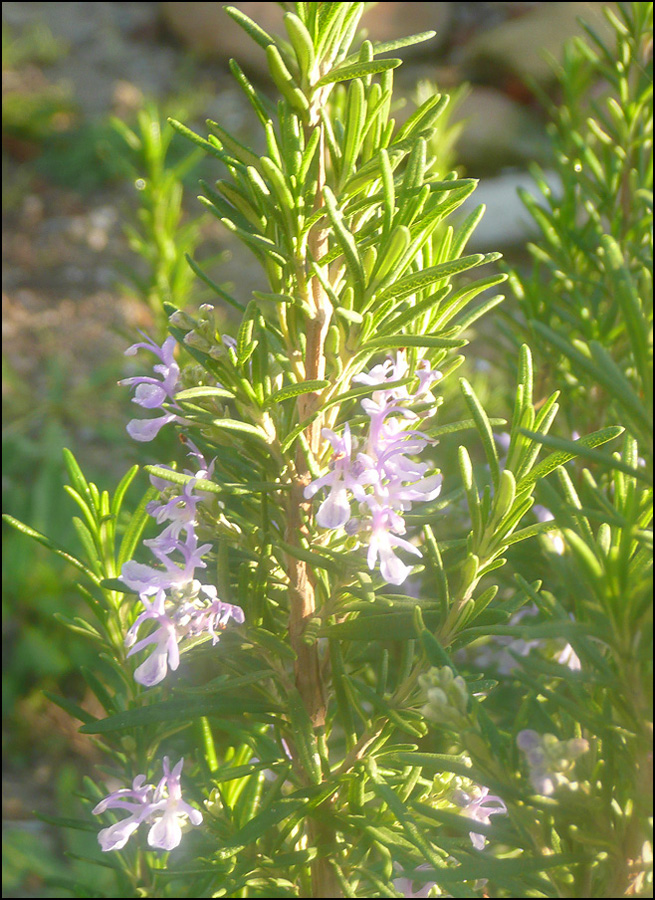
column 324, row 627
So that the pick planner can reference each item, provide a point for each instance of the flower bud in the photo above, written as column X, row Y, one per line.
column 549, row 759
column 182, row 320
column 193, row 339
column 447, row 696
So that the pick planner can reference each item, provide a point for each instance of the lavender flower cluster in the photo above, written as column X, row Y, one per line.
column 181, row 606
column 378, row 472
column 162, row 806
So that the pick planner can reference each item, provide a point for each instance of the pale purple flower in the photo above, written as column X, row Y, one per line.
column 334, row 511
column 395, row 370
column 191, row 610
column 204, row 470
column 146, row 580
column 503, row 439
column 479, row 805
column 162, row 484
column 383, row 427
column 211, row 617
column 145, row 430
column 171, row 810
column 387, row 371
column 384, row 523
column 182, row 607
column 382, row 403
column 388, row 455
column 426, row 377
column 152, row 392
column 569, row 658
column 549, row 759
column 180, row 511
column 543, row 779
column 401, row 496
column 500, row 650
column 542, row 513
column 136, row 801
column 162, row 805
column 165, row 638
column 405, row 886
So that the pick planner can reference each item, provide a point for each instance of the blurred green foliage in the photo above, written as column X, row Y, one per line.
column 39, row 861
column 35, row 45
column 587, row 303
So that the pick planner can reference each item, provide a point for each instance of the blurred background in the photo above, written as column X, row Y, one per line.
column 93, row 238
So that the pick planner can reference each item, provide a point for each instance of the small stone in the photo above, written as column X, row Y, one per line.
column 127, row 98
column 514, row 53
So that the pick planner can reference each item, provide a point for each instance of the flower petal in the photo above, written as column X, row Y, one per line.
column 154, row 669
column 116, row 836
column 150, row 396
column 334, row 511
column 148, row 429
column 392, row 568
column 166, row 833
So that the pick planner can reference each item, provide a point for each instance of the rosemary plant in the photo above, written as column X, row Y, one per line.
column 290, row 690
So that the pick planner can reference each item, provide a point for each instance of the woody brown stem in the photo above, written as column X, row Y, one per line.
column 302, row 595
column 302, row 605
column 302, row 601
column 321, row 312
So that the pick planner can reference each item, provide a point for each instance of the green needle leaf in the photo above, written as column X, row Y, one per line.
column 295, row 390
column 359, row 70
column 182, row 710
column 567, row 450
column 484, row 429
